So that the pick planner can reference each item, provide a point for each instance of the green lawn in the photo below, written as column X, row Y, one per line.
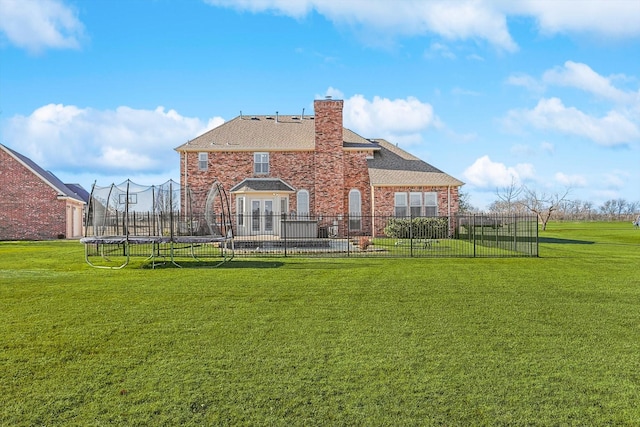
column 553, row 340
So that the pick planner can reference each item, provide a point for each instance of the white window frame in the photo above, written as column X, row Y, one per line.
column 203, row 161
column 240, row 206
column 431, row 203
column 355, row 210
column 284, row 207
column 261, row 163
column 415, row 204
column 400, row 205
column 302, row 204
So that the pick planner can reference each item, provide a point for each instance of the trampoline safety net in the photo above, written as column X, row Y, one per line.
column 161, row 222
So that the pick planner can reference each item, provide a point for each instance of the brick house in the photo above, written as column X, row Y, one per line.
column 34, row 203
column 311, row 167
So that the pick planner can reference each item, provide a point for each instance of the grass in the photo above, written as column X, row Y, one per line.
column 522, row 341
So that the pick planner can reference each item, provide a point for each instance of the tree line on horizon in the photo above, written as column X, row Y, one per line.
column 520, row 199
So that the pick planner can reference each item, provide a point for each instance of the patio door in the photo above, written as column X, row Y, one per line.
column 262, row 217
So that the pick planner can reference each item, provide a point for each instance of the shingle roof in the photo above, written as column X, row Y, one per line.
column 79, row 191
column 392, row 166
column 262, row 184
column 253, row 133
column 48, row 177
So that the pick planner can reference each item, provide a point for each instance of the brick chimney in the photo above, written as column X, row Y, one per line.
column 329, row 163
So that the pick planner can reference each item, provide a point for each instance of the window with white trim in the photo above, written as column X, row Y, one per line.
column 284, row 206
column 240, row 211
column 400, row 205
column 261, row 163
column 355, row 210
column 303, row 204
column 415, row 204
column 431, row 204
column 203, row 161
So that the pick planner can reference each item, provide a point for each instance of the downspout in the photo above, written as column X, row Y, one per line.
column 449, row 206
column 373, row 212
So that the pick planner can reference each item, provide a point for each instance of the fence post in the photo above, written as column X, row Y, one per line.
column 411, row 235
column 473, row 232
column 284, row 235
column 514, row 218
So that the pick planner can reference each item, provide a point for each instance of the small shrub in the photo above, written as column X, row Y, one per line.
column 417, row 228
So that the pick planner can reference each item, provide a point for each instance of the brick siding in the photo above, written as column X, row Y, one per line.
column 29, row 208
column 328, row 173
column 329, row 157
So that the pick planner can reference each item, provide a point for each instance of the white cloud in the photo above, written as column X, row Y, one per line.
column 461, row 19
column 84, row 140
column 334, row 93
column 583, row 77
column 451, row 20
column 398, row 120
column 580, row 76
column 611, row 18
column 526, row 81
column 485, row 173
column 39, row 24
column 551, row 114
column 570, row 180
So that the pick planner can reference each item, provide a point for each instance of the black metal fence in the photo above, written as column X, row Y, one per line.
column 479, row 235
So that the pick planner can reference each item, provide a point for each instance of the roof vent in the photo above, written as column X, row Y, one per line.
column 254, row 118
column 327, row 97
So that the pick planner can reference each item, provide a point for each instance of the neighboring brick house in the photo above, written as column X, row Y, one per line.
column 311, row 167
column 34, row 203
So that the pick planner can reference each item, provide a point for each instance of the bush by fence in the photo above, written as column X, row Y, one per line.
column 417, row 228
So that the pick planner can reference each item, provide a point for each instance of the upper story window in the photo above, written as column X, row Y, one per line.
column 261, row 163
column 203, row 161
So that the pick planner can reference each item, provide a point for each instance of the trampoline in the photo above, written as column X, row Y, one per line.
column 167, row 223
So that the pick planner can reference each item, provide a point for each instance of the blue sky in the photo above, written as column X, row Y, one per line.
column 543, row 93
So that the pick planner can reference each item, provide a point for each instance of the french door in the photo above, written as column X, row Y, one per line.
column 262, row 217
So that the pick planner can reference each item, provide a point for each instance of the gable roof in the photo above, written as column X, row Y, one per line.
column 79, row 191
column 269, row 133
column 262, row 184
column 48, row 177
column 392, row 166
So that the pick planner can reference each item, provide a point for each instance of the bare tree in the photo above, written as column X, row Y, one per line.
column 609, row 208
column 622, row 206
column 509, row 196
column 464, row 203
column 587, row 210
column 543, row 204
